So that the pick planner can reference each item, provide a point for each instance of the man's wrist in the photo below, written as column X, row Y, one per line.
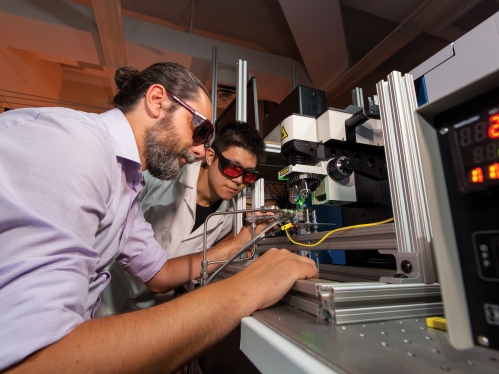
column 244, row 236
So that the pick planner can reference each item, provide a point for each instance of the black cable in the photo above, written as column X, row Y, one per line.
column 277, row 197
column 282, row 197
column 269, row 186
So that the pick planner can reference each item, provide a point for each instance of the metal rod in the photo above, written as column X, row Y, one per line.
column 294, row 76
column 244, row 248
column 241, row 91
column 357, row 97
column 253, row 227
column 191, row 25
column 258, row 194
column 214, row 83
column 204, row 263
column 241, row 115
column 257, row 198
column 255, row 104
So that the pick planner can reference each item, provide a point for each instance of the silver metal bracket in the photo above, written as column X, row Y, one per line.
column 408, row 268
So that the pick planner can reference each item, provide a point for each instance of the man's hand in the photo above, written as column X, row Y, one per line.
column 244, row 235
column 260, row 225
column 272, row 275
column 166, row 337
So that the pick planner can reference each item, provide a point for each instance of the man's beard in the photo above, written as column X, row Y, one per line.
column 163, row 151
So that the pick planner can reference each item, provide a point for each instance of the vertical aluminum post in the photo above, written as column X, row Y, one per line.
column 357, row 97
column 294, row 77
column 257, row 191
column 214, row 83
column 258, row 194
column 191, row 24
column 241, row 111
column 397, row 102
column 241, row 91
column 255, row 104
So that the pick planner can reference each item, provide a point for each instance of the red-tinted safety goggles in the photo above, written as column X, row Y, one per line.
column 232, row 170
column 202, row 128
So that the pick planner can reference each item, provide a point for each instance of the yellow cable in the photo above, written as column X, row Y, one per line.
column 336, row 230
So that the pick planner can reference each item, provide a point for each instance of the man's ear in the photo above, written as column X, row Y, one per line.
column 210, row 155
column 155, row 99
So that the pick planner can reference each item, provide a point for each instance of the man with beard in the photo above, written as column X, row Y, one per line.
column 70, row 182
column 177, row 210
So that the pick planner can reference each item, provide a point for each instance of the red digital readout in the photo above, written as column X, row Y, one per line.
column 494, row 127
column 477, row 175
column 494, row 171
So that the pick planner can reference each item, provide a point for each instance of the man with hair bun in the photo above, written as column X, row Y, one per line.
column 177, row 210
column 69, row 197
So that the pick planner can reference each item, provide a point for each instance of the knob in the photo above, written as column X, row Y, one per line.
column 341, row 167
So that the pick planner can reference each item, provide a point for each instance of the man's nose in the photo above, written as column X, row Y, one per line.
column 238, row 180
column 198, row 151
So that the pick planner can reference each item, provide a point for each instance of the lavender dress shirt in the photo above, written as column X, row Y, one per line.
column 68, row 208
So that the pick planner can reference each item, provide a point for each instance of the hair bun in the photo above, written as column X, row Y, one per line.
column 124, row 75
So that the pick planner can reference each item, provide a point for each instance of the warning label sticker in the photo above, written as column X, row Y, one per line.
column 284, row 134
column 284, row 171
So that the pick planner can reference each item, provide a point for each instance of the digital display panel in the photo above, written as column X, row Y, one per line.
column 476, row 147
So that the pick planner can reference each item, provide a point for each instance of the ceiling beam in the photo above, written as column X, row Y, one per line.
column 450, row 33
column 317, row 28
column 111, row 34
column 26, row 80
column 432, row 16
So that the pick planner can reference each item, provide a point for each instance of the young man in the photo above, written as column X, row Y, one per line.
column 70, row 182
column 177, row 211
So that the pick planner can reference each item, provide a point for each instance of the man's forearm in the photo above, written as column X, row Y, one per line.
column 165, row 337
column 158, row 339
column 180, row 270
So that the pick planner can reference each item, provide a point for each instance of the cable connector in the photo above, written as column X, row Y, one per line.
column 286, row 226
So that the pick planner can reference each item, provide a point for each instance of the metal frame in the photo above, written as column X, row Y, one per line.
column 354, row 302
column 397, row 102
column 344, row 303
column 294, row 77
column 357, row 97
column 214, row 82
column 413, row 242
column 258, row 194
column 241, row 115
column 376, row 237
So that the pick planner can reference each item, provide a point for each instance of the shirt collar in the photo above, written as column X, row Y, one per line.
column 121, row 131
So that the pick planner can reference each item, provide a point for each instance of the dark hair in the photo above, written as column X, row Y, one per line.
column 240, row 134
column 175, row 78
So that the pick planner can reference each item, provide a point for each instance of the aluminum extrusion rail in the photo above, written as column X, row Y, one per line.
column 397, row 104
column 377, row 237
column 342, row 273
column 345, row 303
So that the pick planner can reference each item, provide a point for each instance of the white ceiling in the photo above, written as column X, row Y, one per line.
column 67, row 51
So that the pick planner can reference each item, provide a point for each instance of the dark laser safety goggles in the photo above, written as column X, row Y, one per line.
column 202, row 127
column 232, row 170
